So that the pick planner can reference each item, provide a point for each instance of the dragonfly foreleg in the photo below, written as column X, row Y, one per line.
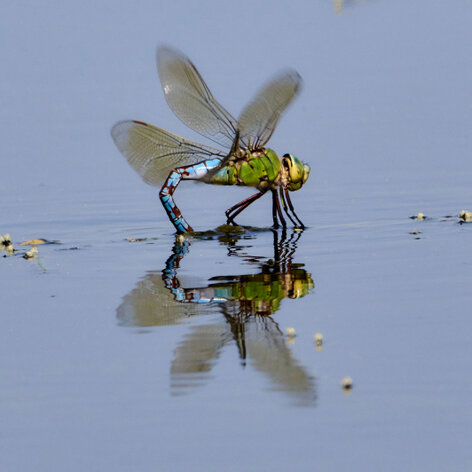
column 239, row 207
column 290, row 205
column 285, row 207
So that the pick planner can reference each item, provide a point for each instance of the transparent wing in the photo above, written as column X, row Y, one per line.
column 259, row 119
column 154, row 152
column 191, row 100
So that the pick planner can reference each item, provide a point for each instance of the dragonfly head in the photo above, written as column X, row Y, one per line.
column 296, row 172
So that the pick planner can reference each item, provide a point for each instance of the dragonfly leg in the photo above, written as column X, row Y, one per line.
column 274, row 209
column 239, row 207
column 279, row 210
column 287, row 196
column 285, row 207
column 173, row 212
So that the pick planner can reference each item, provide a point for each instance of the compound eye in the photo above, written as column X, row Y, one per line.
column 286, row 161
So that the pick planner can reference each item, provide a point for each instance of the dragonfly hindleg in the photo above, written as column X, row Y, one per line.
column 276, row 203
column 274, row 209
column 239, row 207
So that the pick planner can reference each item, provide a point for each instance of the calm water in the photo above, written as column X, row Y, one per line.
column 158, row 353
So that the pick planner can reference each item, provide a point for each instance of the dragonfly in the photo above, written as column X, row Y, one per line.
column 164, row 158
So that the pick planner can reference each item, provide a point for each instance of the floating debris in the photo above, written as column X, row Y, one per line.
column 73, row 248
column 5, row 240
column 31, row 254
column 230, row 229
column 318, row 341
column 291, row 333
column 465, row 216
column 347, row 384
column 419, row 216
column 5, row 244
column 138, row 240
column 34, row 242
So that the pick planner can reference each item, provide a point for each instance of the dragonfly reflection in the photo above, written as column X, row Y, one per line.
column 246, row 303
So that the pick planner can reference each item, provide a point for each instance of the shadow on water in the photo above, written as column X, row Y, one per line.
column 246, row 303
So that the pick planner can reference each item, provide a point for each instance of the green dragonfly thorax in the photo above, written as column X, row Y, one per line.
column 262, row 169
column 294, row 172
column 259, row 169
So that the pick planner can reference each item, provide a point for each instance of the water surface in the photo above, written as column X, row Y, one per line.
column 167, row 354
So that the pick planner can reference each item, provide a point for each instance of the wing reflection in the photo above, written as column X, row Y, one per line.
column 246, row 303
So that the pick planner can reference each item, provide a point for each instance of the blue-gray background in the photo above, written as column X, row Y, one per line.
column 384, row 120
column 387, row 84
